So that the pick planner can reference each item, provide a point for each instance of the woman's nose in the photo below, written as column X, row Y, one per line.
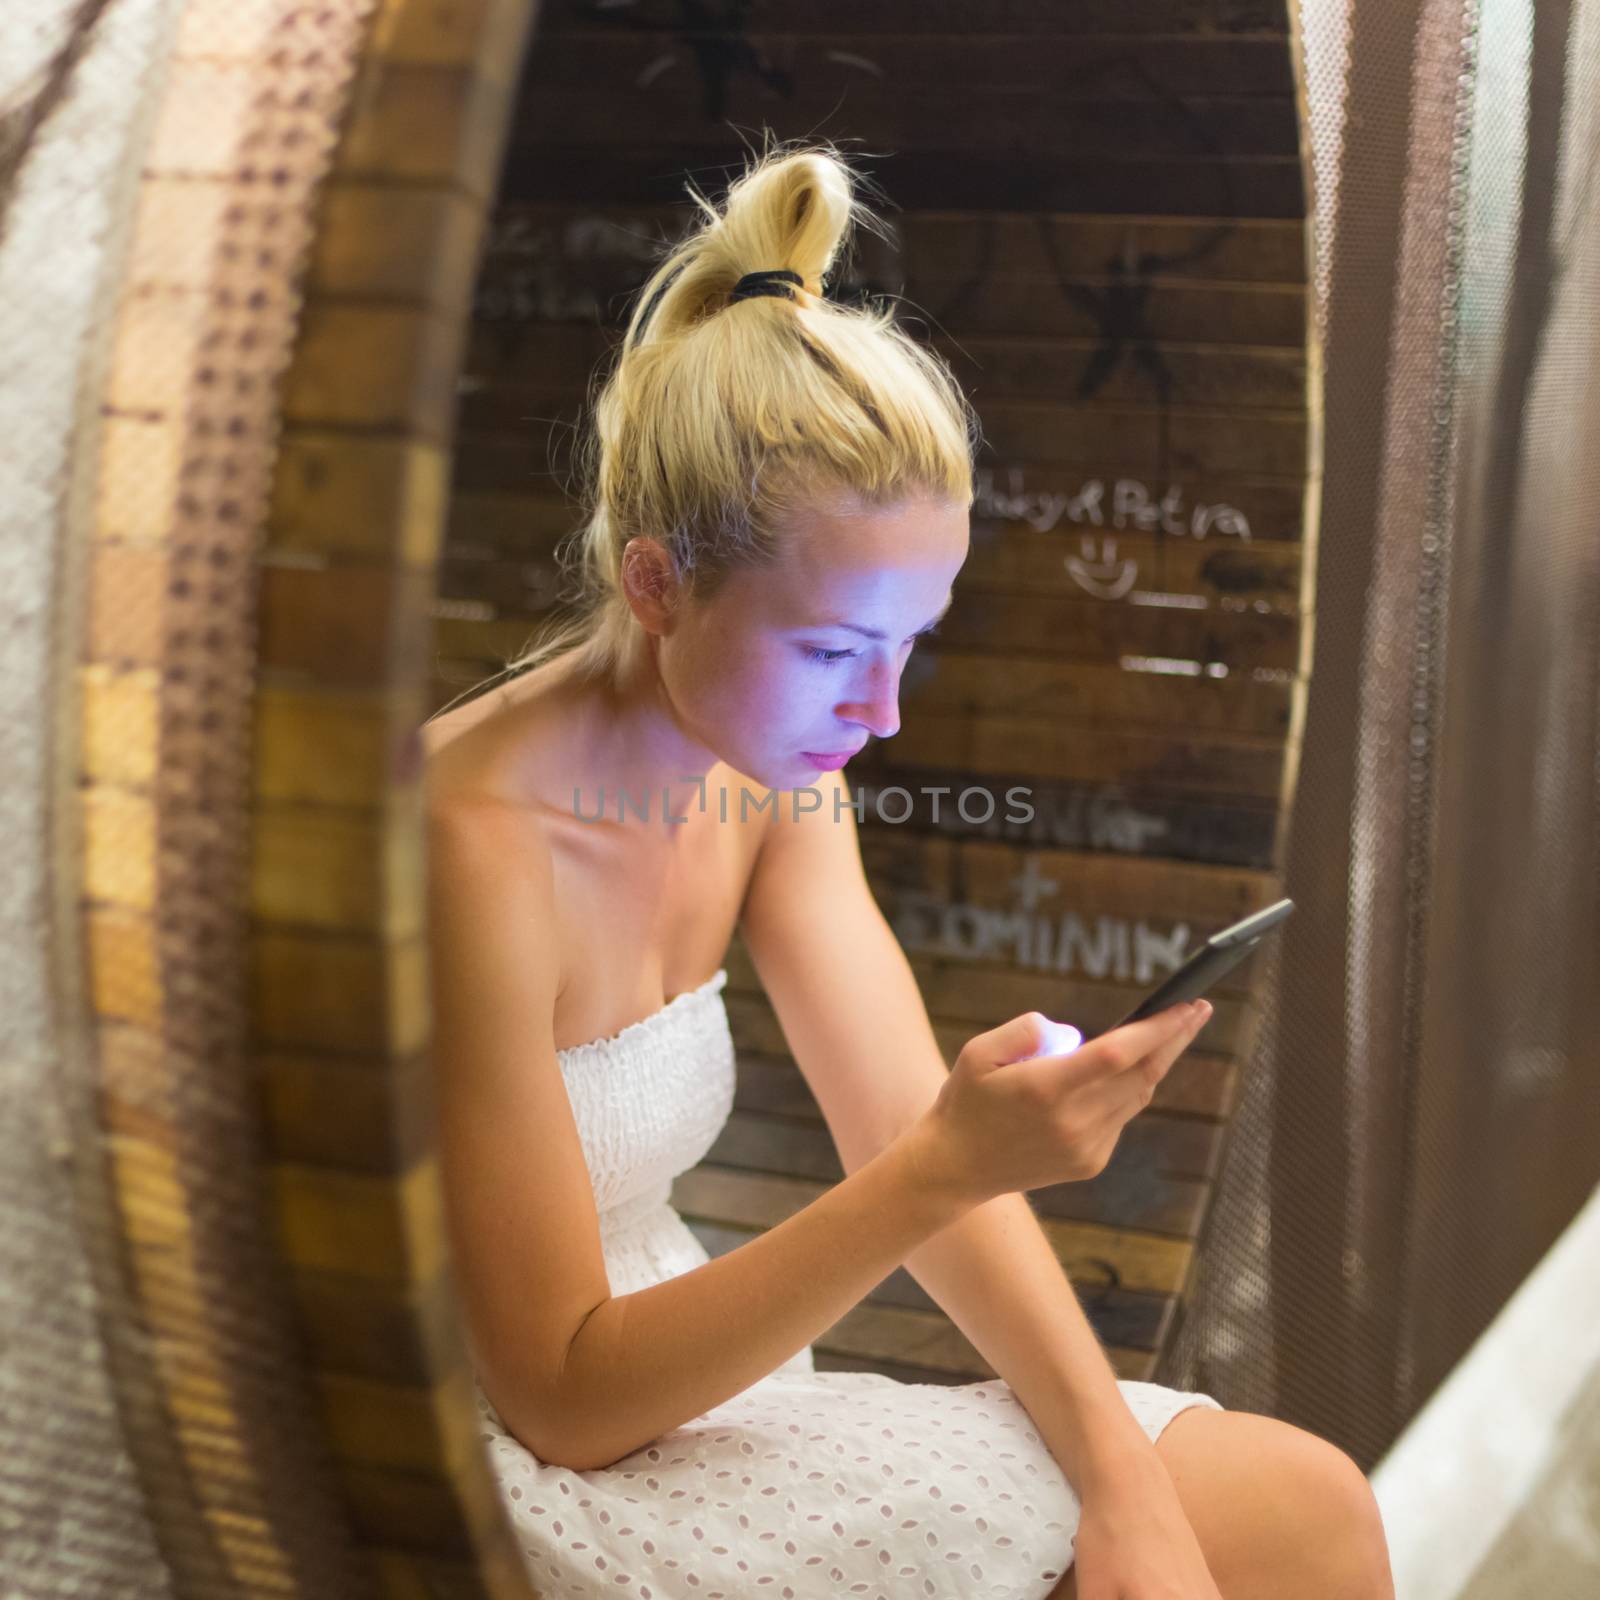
column 880, row 712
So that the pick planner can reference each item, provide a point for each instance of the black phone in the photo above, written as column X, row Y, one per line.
column 1220, row 954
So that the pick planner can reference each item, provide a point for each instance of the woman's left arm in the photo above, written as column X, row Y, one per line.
column 856, row 1023
column 997, row 1278
column 857, row 1026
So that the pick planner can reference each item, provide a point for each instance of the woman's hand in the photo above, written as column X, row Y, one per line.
column 1135, row 1543
column 1012, row 1117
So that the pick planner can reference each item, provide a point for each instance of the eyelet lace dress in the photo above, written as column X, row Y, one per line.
column 807, row 1485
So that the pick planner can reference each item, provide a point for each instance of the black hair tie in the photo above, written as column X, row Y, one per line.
column 749, row 287
column 655, row 300
column 771, row 283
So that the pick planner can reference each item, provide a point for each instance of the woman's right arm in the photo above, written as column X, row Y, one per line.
column 580, row 1376
column 644, row 1363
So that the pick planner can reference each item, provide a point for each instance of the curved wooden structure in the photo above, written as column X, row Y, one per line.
column 1105, row 233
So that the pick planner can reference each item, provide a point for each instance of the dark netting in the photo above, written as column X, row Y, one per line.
column 1421, row 1117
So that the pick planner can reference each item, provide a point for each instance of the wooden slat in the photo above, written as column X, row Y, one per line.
column 1113, row 819
column 1049, row 496
column 979, row 305
column 986, row 992
column 367, row 1114
column 988, row 118
column 339, row 493
column 945, row 178
column 408, row 1427
column 1170, row 443
column 1113, row 569
column 321, row 988
column 1213, row 767
column 136, row 491
column 426, row 124
column 527, row 526
column 755, row 1028
column 1119, row 1316
column 120, row 709
column 410, row 1510
column 1072, row 624
column 387, row 1228
column 1147, row 1262
column 1070, row 694
column 1090, row 630
column 327, row 747
column 486, row 37
column 548, row 363
column 1199, row 1085
column 381, row 367
column 1093, row 70
column 1174, row 442
column 980, row 996
column 1134, row 1191
column 354, row 624
column 510, row 504
column 1034, row 18
column 399, row 1333
column 802, row 1147
column 378, row 241
column 941, row 241
column 1091, row 695
column 925, row 1338
column 1209, row 372
column 1159, row 894
column 880, row 1339
column 340, row 868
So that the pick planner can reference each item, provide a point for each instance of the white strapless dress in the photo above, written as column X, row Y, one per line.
column 808, row 1485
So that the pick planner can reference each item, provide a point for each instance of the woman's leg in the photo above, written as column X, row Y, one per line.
column 1278, row 1511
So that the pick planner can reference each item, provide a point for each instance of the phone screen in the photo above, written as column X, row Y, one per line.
column 1219, row 955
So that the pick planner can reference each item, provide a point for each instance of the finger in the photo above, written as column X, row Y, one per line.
column 1122, row 1095
column 1160, row 1062
column 1121, row 1049
column 1029, row 1037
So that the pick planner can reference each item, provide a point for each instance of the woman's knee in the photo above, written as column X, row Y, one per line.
column 1276, row 1510
column 1273, row 1504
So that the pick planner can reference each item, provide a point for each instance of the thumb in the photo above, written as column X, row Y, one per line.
column 1032, row 1034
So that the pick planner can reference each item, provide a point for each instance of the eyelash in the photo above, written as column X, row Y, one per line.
column 830, row 658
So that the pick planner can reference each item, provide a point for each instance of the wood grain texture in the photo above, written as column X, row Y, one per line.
column 355, row 344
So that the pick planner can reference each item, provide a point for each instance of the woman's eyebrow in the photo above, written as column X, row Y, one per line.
column 873, row 633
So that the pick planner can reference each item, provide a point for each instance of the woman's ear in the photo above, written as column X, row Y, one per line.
column 649, row 584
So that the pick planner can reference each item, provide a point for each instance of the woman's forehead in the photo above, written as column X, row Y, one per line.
column 873, row 570
column 829, row 543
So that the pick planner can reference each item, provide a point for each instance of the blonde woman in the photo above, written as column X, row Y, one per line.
column 777, row 504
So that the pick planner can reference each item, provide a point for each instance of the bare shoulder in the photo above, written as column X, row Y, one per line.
column 492, row 885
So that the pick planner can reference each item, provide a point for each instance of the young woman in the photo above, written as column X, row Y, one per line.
column 778, row 504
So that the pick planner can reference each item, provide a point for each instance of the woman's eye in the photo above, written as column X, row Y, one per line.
column 828, row 657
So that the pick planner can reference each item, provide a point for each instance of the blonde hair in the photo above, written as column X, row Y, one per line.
column 718, row 417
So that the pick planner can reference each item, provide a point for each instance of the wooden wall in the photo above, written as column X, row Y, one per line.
column 1098, row 218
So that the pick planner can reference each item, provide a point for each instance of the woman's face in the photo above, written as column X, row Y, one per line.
column 803, row 658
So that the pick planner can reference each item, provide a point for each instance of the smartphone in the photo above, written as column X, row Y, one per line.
column 1219, row 955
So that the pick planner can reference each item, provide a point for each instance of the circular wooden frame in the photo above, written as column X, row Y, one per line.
column 349, row 152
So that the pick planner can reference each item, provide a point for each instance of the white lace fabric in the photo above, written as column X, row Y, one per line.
column 807, row 1485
